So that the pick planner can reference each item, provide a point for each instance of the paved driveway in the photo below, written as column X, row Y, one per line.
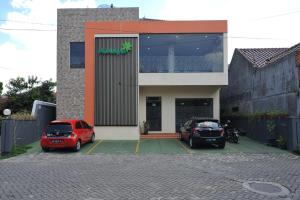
column 165, row 146
column 150, row 169
column 152, row 176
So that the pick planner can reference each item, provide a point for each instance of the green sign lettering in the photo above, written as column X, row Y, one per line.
column 125, row 49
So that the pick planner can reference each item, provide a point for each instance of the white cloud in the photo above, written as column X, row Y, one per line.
column 245, row 19
column 32, row 52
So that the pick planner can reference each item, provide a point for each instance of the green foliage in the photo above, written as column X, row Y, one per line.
column 1, row 88
column 281, row 141
column 23, row 115
column 23, row 92
column 271, row 125
column 258, row 115
column 17, row 150
column 144, row 127
column 16, row 86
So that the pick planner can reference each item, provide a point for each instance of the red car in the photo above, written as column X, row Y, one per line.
column 67, row 134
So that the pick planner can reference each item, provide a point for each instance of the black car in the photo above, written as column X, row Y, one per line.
column 198, row 131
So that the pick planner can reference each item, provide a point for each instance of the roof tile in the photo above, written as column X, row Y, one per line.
column 260, row 57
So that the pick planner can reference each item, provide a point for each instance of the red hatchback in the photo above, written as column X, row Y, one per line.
column 67, row 134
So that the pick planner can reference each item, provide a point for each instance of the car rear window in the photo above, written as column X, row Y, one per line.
column 209, row 124
column 59, row 127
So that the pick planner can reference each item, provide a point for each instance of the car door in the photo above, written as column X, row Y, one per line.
column 87, row 131
column 79, row 130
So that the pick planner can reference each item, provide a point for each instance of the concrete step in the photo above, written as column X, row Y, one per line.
column 160, row 136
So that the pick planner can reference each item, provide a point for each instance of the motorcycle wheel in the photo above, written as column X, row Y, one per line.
column 236, row 139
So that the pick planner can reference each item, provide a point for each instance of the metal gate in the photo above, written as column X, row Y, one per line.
column 192, row 107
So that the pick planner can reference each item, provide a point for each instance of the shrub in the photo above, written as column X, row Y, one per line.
column 22, row 116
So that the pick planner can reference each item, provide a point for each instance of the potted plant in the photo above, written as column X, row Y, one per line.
column 281, row 142
column 272, row 140
column 146, row 127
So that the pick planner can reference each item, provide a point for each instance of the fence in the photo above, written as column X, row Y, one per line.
column 23, row 132
column 257, row 128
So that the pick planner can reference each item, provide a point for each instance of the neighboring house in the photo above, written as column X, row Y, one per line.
column 116, row 71
column 263, row 80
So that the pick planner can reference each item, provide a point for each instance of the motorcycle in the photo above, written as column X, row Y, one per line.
column 231, row 134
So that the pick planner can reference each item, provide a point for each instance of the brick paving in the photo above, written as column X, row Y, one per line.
column 154, row 177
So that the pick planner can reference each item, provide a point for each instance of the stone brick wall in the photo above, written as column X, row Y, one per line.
column 70, row 28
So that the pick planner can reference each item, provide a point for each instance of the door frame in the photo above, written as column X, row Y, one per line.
column 160, row 116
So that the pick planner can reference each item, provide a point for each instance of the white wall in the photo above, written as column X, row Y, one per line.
column 168, row 95
column 117, row 132
column 170, row 79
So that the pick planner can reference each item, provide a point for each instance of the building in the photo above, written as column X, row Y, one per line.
column 117, row 71
column 263, row 80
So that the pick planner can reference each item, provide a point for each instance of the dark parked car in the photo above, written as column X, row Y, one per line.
column 198, row 131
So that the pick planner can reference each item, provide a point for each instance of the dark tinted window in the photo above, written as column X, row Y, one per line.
column 77, row 55
column 78, row 125
column 59, row 127
column 85, row 125
column 180, row 53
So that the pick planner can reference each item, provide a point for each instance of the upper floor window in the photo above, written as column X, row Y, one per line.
column 179, row 53
column 77, row 55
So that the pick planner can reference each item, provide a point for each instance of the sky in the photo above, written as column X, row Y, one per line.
column 251, row 24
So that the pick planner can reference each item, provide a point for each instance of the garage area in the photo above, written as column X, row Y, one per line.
column 174, row 146
column 186, row 108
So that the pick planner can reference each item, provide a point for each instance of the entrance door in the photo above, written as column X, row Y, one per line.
column 187, row 108
column 153, row 113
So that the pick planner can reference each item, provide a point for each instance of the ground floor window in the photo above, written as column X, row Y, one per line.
column 153, row 113
column 192, row 107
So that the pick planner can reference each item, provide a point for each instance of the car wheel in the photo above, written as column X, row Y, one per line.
column 93, row 138
column 45, row 149
column 235, row 140
column 78, row 146
column 191, row 143
column 221, row 145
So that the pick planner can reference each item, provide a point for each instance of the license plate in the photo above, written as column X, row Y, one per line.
column 210, row 140
column 56, row 141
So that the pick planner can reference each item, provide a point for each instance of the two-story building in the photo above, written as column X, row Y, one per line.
column 116, row 71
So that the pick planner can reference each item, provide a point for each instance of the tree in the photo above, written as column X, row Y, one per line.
column 1, row 88
column 23, row 92
column 44, row 91
column 16, row 86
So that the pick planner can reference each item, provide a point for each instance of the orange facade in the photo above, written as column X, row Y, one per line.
column 134, row 27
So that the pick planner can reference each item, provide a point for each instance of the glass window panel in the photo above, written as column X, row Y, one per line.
column 77, row 55
column 181, row 53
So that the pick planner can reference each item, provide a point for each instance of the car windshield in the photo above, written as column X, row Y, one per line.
column 59, row 127
column 207, row 124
